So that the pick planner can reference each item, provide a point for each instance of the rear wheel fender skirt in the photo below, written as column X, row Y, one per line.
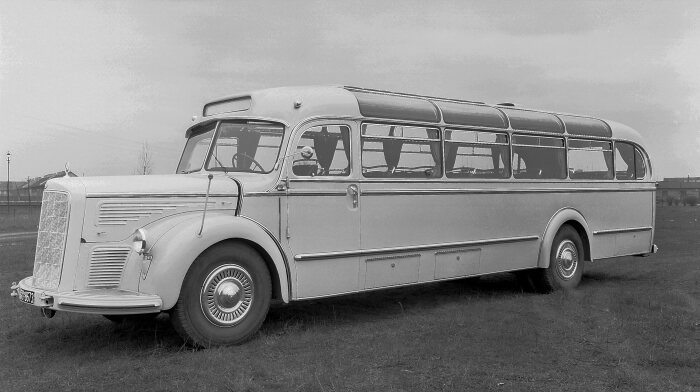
column 559, row 218
column 174, row 253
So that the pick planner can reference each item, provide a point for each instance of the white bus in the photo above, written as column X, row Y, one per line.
column 296, row 193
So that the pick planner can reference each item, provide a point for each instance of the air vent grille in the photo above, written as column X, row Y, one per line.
column 107, row 265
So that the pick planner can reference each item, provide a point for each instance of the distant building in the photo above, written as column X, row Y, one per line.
column 29, row 190
column 678, row 190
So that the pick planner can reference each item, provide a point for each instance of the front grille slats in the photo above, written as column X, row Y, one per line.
column 107, row 265
column 51, row 239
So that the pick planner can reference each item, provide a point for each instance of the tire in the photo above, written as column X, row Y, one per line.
column 566, row 260
column 224, row 298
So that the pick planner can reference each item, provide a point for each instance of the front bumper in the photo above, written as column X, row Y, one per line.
column 98, row 301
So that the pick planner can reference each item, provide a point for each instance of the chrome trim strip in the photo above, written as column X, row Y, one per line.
column 268, row 193
column 393, row 257
column 141, row 195
column 470, row 181
column 625, row 230
column 316, row 193
column 372, row 192
column 66, row 305
column 457, row 191
column 416, row 248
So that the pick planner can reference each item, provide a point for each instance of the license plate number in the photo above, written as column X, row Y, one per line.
column 26, row 296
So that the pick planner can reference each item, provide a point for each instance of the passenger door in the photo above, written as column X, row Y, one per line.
column 323, row 218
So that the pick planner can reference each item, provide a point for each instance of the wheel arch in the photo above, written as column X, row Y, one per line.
column 565, row 216
column 176, row 251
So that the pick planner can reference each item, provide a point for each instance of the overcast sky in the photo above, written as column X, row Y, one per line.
column 87, row 82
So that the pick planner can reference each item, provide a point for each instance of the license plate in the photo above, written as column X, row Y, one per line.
column 26, row 296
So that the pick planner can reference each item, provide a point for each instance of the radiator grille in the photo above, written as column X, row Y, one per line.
column 51, row 239
column 106, row 266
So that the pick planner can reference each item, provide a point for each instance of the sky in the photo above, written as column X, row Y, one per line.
column 88, row 82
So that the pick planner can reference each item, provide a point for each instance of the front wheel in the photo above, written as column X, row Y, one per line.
column 224, row 298
column 565, row 263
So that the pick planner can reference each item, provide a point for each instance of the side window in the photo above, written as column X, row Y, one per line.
column 629, row 162
column 472, row 154
column 538, row 157
column 331, row 152
column 590, row 160
column 639, row 166
column 395, row 151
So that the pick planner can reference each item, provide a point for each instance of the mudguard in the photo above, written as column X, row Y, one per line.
column 559, row 218
column 177, row 248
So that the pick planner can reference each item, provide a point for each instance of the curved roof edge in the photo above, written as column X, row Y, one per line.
column 293, row 104
column 625, row 132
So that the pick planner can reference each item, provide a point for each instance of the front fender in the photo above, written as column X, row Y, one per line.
column 562, row 216
column 177, row 249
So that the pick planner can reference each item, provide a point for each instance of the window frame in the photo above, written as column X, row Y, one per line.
column 513, row 145
column 508, row 144
column 217, row 133
column 296, row 138
column 568, row 161
column 425, row 141
column 636, row 148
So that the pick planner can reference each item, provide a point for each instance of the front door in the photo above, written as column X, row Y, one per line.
column 323, row 219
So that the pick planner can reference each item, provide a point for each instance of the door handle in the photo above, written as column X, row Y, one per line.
column 354, row 192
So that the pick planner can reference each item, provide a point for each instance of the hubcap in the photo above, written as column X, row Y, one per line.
column 567, row 259
column 226, row 295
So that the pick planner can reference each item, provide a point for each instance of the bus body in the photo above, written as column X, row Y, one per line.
column 297, row 193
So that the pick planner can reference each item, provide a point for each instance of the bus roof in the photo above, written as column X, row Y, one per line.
column 291, row 105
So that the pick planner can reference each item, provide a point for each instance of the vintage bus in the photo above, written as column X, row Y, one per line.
column 297, row 193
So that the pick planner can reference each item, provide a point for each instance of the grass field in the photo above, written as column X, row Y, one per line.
column 633, row 325
column 19, row 218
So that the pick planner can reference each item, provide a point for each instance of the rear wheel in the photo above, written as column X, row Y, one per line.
column 565, row 263
column 224, row 298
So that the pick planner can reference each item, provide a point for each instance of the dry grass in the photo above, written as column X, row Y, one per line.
column 634, row 325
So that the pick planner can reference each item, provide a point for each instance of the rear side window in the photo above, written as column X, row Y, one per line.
column 590, row 160
column 629, row 162
column 396, row 151
column 473, row 154
column 538, row 157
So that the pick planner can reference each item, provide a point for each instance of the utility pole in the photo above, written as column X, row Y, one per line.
column 8, row 184
column 29, row 199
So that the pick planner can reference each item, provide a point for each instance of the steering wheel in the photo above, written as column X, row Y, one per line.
column 234, row 158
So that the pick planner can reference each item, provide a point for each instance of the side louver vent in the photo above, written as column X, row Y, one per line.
column 106, row 266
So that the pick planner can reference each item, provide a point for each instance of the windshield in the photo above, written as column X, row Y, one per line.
column 196, row 149
column 246, row 147
column 251, row 147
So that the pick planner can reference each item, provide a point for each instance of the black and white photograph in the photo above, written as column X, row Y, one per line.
column 349, row 195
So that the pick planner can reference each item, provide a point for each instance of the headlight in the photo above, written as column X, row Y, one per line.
column 139, row 241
